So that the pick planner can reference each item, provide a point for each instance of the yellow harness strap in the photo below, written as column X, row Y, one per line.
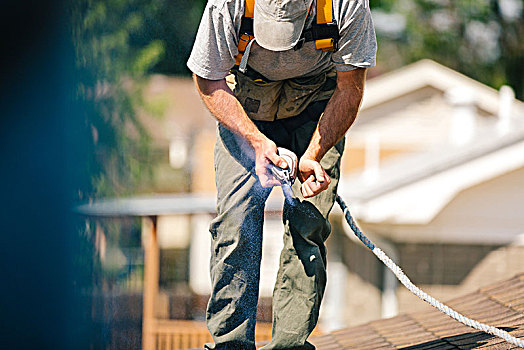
column 325, row 16
column 324, row 11
column 249, row 12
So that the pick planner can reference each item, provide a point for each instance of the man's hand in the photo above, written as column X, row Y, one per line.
column 338, row 116
column 266, row 156
column 313, row 177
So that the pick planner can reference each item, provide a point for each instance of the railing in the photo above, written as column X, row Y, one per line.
column 178, row 334
column 159, row 334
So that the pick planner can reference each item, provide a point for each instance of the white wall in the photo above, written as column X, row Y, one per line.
column 272, row 245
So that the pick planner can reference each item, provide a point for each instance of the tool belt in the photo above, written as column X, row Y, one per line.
column 267, row 100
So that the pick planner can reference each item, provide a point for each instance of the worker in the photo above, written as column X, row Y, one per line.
column 287, row 73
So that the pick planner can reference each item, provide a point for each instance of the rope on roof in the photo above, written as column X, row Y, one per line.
column 417, row 291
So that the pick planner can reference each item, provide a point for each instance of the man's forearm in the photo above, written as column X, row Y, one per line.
column 221, row 102
column 227, row 110
column 340, row 113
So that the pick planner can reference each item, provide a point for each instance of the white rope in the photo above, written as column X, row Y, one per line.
column 442, row 307
column 418, row 292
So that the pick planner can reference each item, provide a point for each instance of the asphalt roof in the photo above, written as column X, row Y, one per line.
column 500, row 305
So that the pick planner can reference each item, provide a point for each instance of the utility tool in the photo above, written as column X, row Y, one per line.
column 286, row 175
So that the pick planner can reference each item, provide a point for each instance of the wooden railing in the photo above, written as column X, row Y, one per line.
column 157, row 333
column 178, row 334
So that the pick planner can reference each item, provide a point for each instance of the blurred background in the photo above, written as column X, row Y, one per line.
column 102, row 112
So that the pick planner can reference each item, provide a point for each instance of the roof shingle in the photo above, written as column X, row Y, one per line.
column 500, row 305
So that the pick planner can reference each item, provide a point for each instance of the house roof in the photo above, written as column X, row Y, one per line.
column 500, row 305
column 162, row 204
column 417, row 187
column 426, row 73
column 408, row 106
column 421, row 165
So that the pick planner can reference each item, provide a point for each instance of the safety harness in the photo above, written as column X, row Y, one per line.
column 324, row 32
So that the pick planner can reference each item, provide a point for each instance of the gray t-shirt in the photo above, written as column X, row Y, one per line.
column 216, row 44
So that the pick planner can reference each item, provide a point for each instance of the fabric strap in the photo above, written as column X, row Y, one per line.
column 249, row 10
column 324, row 11
column 324, row 33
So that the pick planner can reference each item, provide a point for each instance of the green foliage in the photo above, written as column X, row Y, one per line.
column 113, row 67
column 474, row 37
column 175, row 22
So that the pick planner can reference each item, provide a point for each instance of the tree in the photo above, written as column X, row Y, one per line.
column 480, row 38
column 113, row 63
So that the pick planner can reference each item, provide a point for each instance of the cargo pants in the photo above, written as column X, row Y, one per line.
column 236, row 247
